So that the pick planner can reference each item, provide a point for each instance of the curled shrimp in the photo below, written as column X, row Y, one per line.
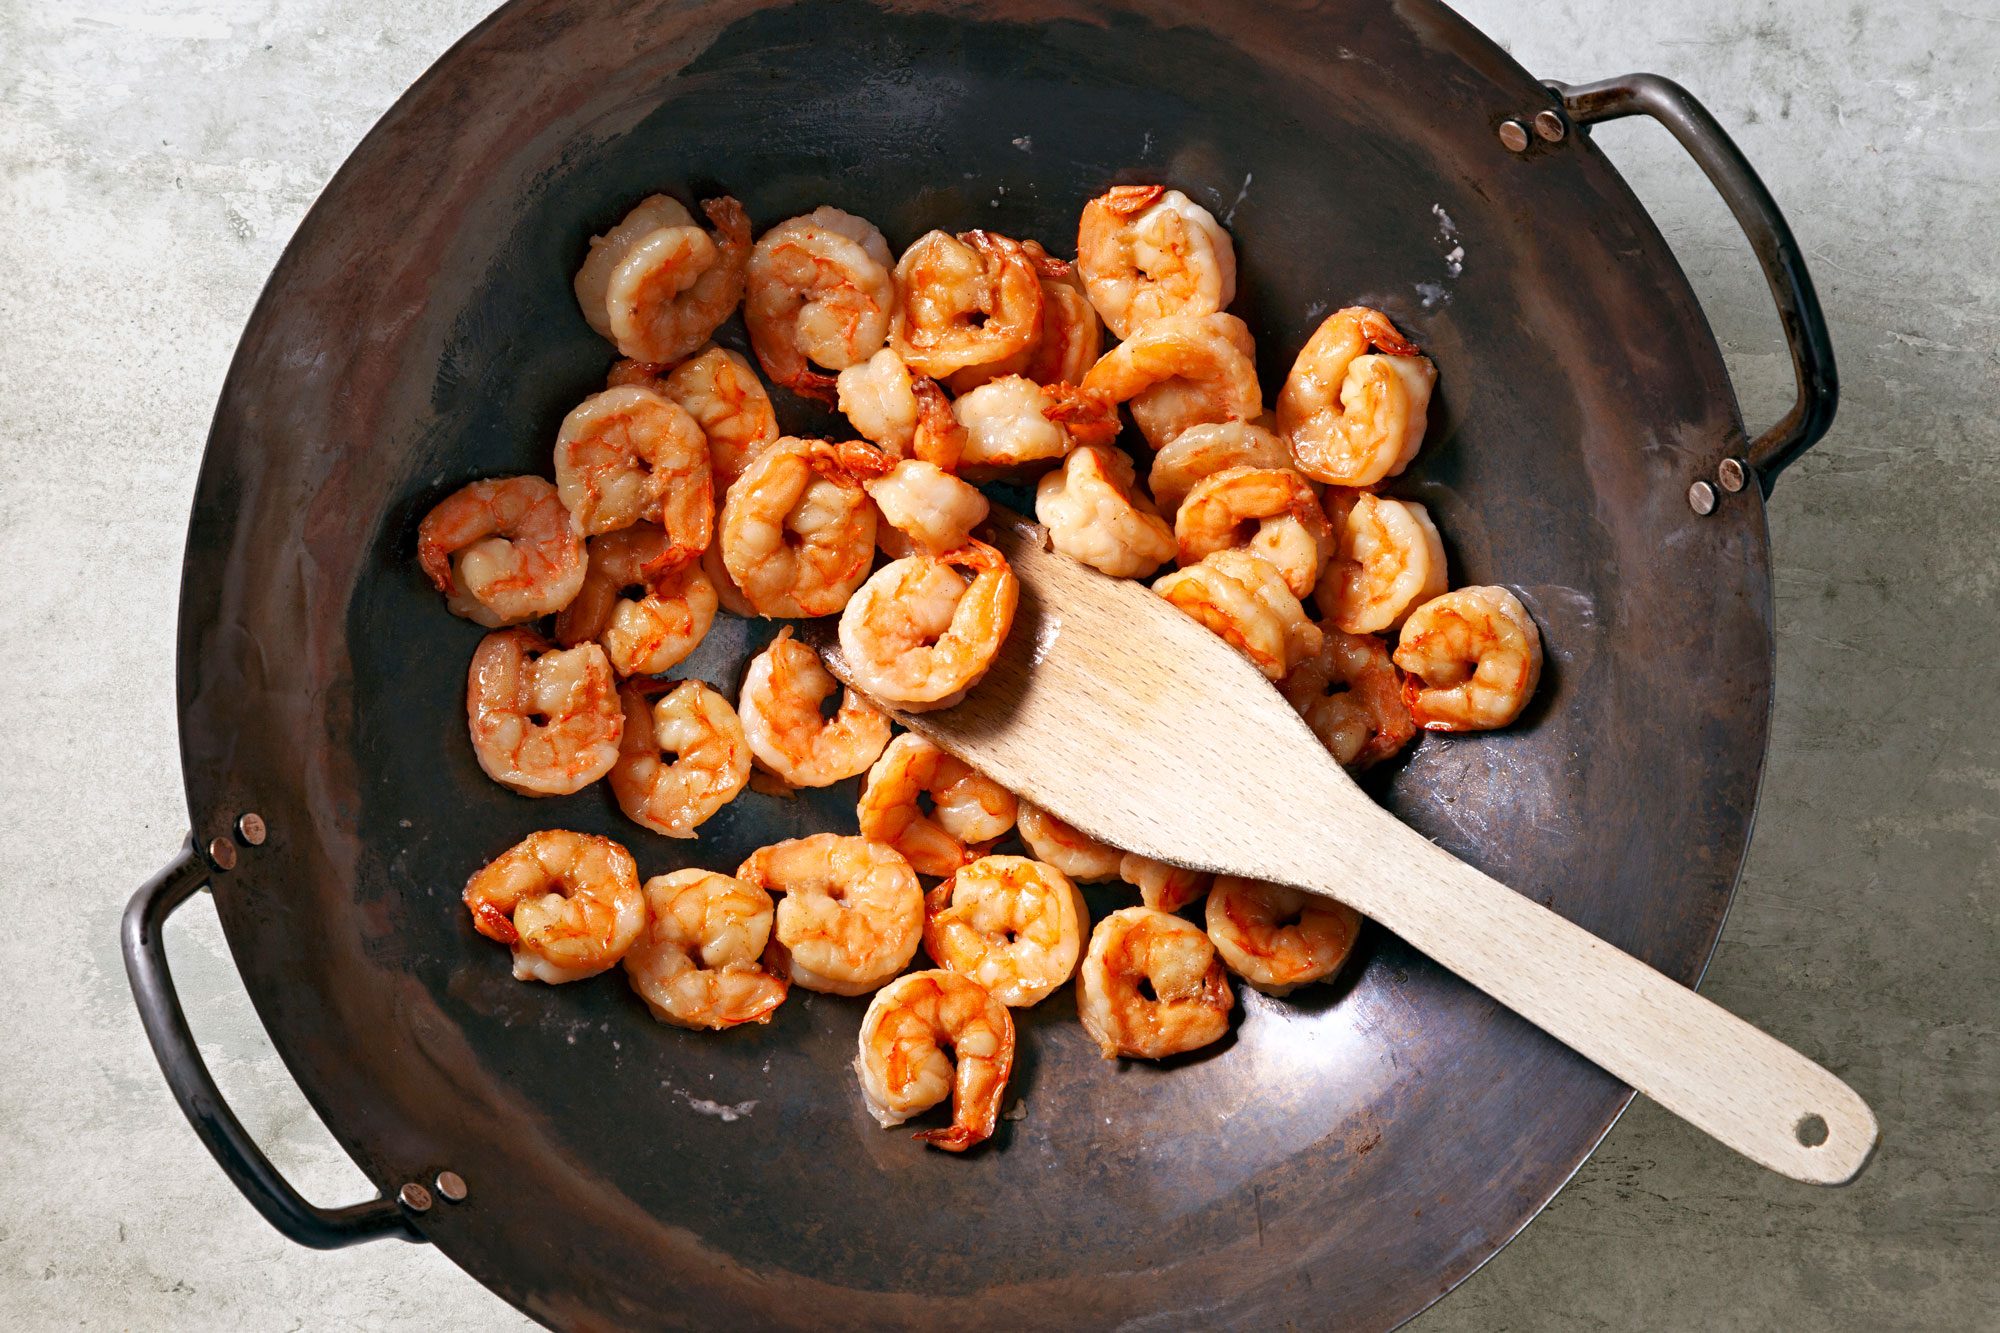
column 1148, row 253
column 924, row 508
column 903, row 1066
column 851, row 915
column 1388, row 560
column 878, row 400
column 1066, row 343
column 787, row 733
column 1181, row 372
column 516, row 677
column 1244, row 599
column 681, row 759
column 1069, row 849
column 727, row 400
column 1140, row 949
column 964, row 300
column 1269, row 512
column 1166, row 887
column 630, row 455
column 699, row 962
column 1353, row 417
column 1204, row 450
column 1473, row 656
column 1014, row 422
column 568, row 903
column 967, row 806
column 1278, row 938
column 918, row 635
column 657, row 287
column 502, row 551
column 1095, row 513
column 646, row 611
column 798, row 532
column 1350, row 695
column 820, row 293
column 1013, row 925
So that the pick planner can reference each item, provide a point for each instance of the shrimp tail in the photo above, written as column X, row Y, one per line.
column 1088, row 416
column 809, row 384
column 1047, row 264
column 494, row 924
column 976, row 555
column 730, row 221
column 848, row 462
column 1382, row 336
column 953, row 1138
column 1128, row 201
column 940, row 439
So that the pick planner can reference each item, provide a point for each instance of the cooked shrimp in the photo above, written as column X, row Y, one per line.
column 1013, row 925
column 922, row 502
column 1070, row 850
column 647, row 612
column 502, row 551
column 1095, row 513
column 820, row 293
column 1179, row 373
column 1244, row 599
column 1388, row 561
column 1204, row 450
column 1270, row 512
column 903, row 1065
column 727, row 400
column 964, row 300
column 1137, row 949
column 1168, row 888
column 918, row 635
column 1473, row 658
column 1278, row 938
column 568, row 903
column 1147, row 253
column 682, row 758
column 630, row 455
column 1350, row 695
column 699, row 962
column 652, row 214
column 780, row 711
column 1350, row 416
column 967, row 806
column 516, row 677
column 1010, row 423
column 877, row 399
column 1066, row 344
column 852, row 912
column 732, row 598
column 798, row 532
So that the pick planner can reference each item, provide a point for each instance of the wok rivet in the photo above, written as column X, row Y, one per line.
column 1729, row 474
column 1701, row 498
column 250, row 827
column 222, row 852
column 451, row 1185
column 1513, row 135
column 415, row 1197
column 1550, row 125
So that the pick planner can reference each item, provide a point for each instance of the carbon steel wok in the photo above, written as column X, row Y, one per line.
column 1349, row 1154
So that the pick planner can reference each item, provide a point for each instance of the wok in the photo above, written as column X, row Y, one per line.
column 1346, row 1156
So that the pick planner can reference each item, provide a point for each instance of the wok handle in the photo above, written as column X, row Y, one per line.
column 1763, row 225
column 142, row 936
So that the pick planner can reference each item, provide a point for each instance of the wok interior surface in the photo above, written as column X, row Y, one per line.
column 1349, row 1152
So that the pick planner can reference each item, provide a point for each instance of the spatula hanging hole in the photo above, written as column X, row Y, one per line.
column 1811, row 1130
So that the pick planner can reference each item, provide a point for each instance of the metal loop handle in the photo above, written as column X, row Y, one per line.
column 1763, row 225
column 142, row 936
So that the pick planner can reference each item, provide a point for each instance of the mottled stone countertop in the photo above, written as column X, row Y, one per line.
column 155, row 156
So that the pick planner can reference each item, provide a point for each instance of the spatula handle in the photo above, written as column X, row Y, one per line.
column 1701, row 1062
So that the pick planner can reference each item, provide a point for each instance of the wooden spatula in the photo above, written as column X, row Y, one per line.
column 1104, row 686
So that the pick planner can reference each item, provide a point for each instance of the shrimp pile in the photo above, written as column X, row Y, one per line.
column 674, row 498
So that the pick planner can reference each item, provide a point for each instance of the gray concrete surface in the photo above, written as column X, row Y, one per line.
column 155, row 156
